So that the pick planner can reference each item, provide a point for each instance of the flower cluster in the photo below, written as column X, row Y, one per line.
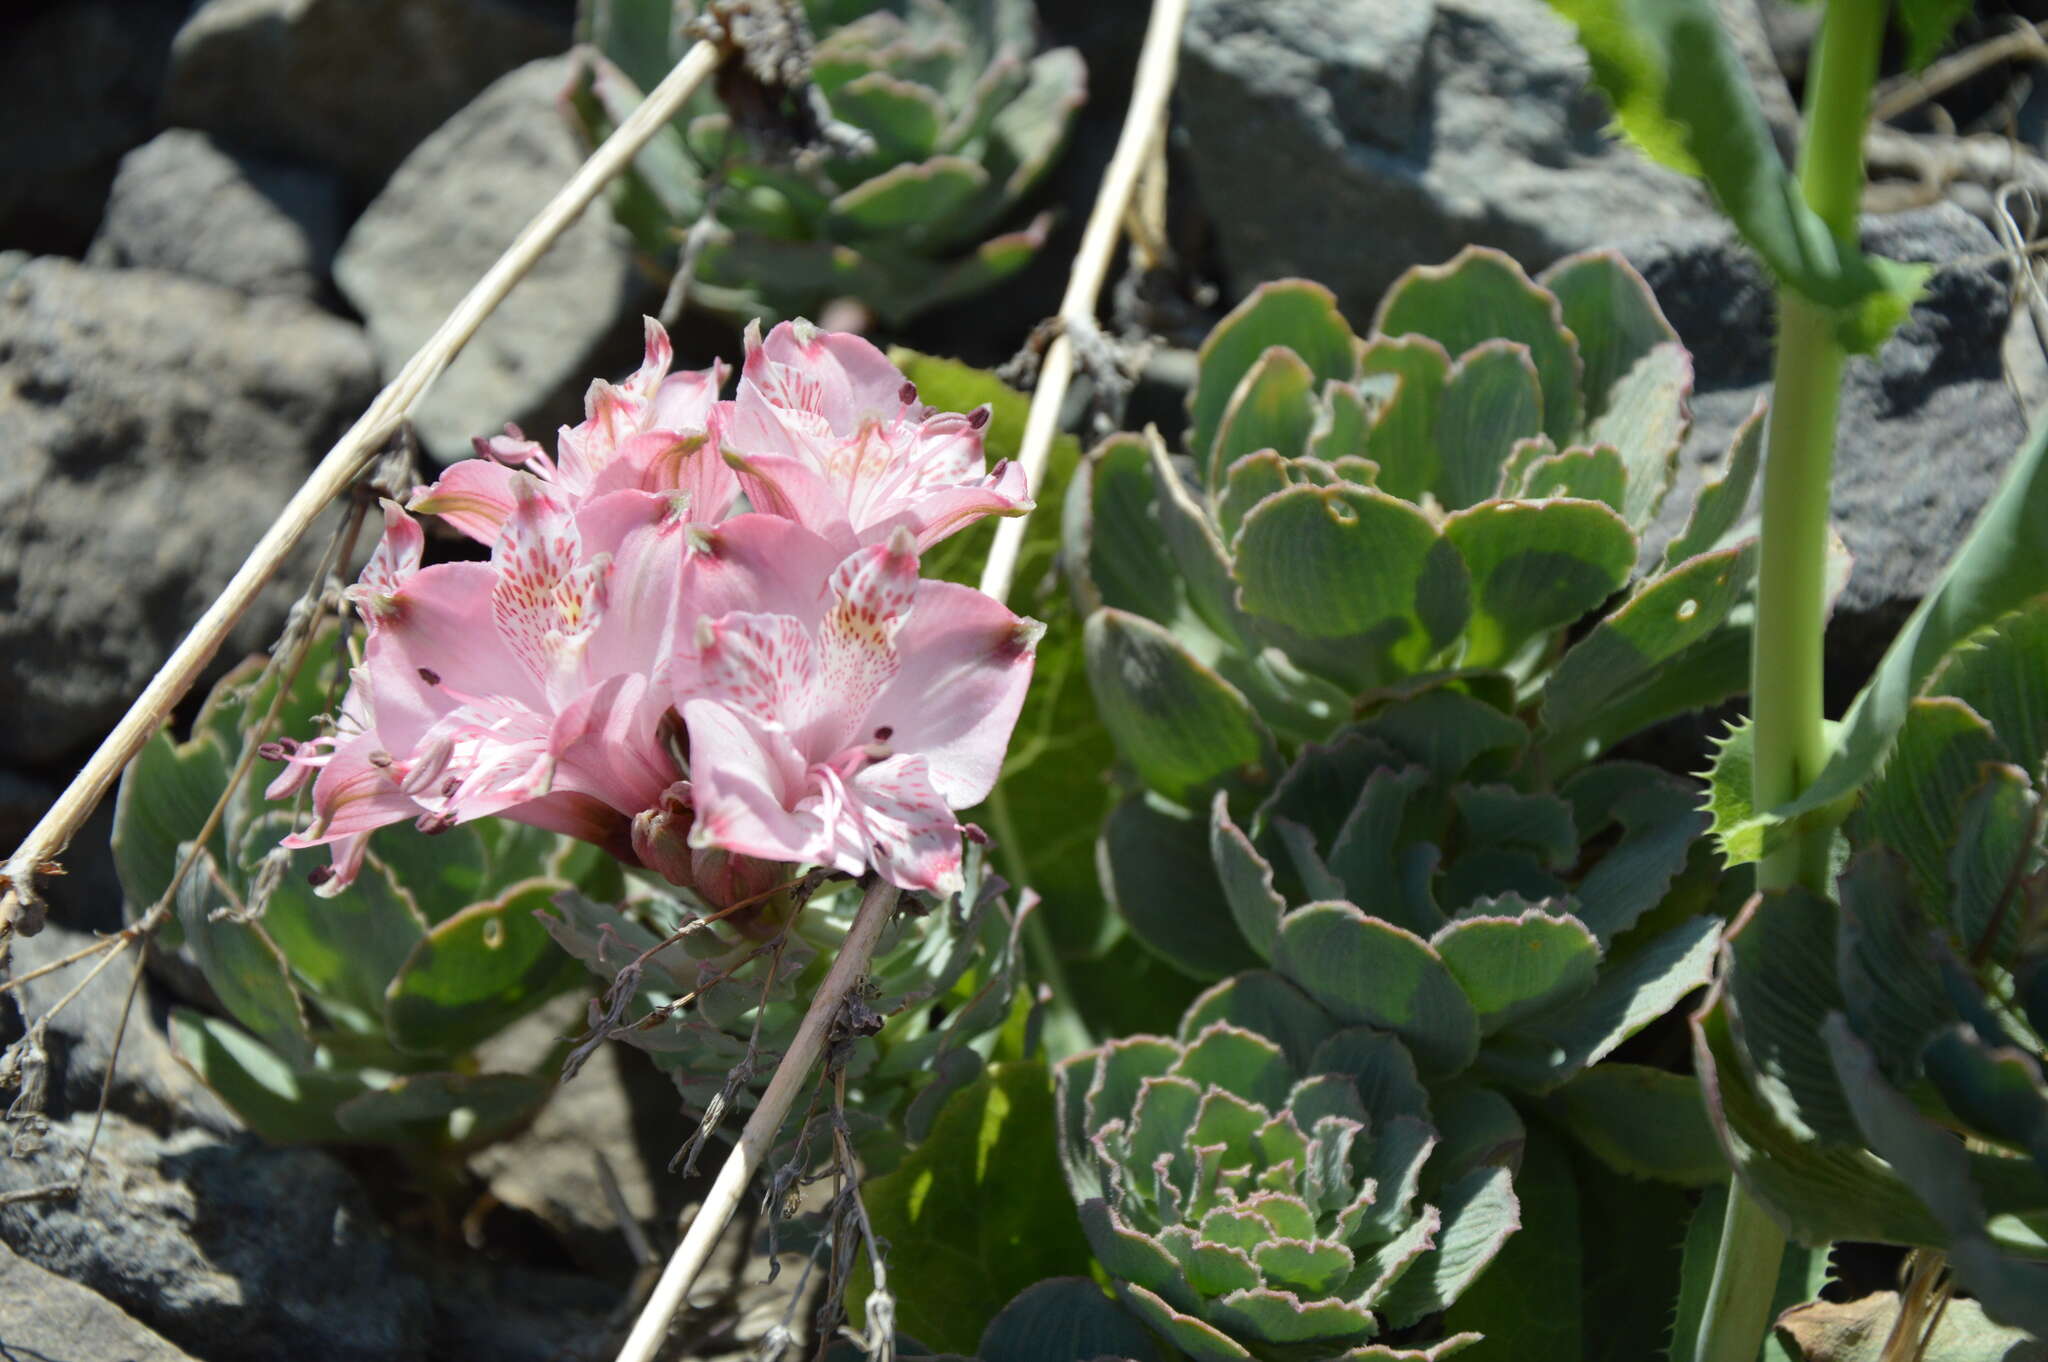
column 709, row 691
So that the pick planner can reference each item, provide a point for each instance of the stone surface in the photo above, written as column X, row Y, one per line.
column 154, row 427
column 79, row 84
column 183, row 204
column 445, row 218
column 354, row 84
column 151, row 1085
column 619, row 1108
column 1927, row 424
column 1347, row 140
column 44, row 1316
column 234, row 1251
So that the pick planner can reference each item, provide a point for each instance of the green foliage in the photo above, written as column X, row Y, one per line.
column 2000, row 566
column 1681, row 94
column 350, row 1018
column 974, row 1215
column 1274, row 1182
column 940, row 119
column 1054, row 788
column 1851, row 1041
column 713, row 1005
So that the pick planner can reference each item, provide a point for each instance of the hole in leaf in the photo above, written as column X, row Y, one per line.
column 494, row 933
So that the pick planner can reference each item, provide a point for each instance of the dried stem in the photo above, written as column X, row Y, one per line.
column 1903, row 94
column 20, row 906
column 1143, row 121
column 759, row 1134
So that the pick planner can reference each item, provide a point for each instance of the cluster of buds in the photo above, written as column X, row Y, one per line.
column 700, row 640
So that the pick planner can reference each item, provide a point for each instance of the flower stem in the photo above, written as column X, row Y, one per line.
column 651, row 1329
column 1791, row 619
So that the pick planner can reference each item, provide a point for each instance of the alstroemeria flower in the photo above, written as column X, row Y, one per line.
column 533, row 686
column 842, row 726
column 649, row 433
column 827, row 432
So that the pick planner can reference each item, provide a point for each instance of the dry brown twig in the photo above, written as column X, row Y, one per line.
column 21, row 907
column 1142, row 121
column 1903, row 94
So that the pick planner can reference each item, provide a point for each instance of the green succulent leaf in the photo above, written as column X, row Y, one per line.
column 1642, row 1122
column 1411, row 371
column 1646, row 421
column 1611, row 312
column 1479, row 1213
column 1273, row 407
column 1915, row 805
column 1515, row 967
column 1492, row 400
column 1482, row 295
column 1594, row 474
column 1527, row 1306
column 1182, row 726
column 1156, row 874
column 243, row 966
column 1365, row 970
column 1298, row 315
column 1535, row 566
column 478, row 971
column 975, row 1214
column 1642, row 653
column 1347, row 563
column 1682, row 94
column 1063, row 1318
column 1722, row 501
column 277, row 1099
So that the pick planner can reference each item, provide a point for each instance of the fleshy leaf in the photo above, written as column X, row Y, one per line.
column 1182, row 726
column 1365, row 970
column 1294, row 313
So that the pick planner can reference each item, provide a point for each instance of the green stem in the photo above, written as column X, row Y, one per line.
column 1791, row 619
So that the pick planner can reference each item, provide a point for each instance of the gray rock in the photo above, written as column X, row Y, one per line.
column 44, row 1316
column 445, row 218
column 237, row 1251
column 153, row 426
column 183, row 204
column 151, row 1085
column 1927, row 424
column 79, row 85
column 619, row 1108
column 353, row 84
column 1347, row 140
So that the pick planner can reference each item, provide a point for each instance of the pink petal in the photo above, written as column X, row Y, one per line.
column 667, row 460
column 966, row 664
column 548, row 596
column 939, row 512
column 353, row 795
column 743, row 780
column 912, row 839
column 872, row 592
column 474, row 496
column 758, row 563
column 445, row 635
column 684, row 401
column 391, row 566
column 832, row 374
column 607, row 742
column 763, row 665
column 788, row 486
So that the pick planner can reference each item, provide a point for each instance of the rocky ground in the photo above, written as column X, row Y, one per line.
column 223, row 224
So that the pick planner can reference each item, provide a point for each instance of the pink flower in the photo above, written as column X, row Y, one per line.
column 533, row 686
column 843, row 717
column 648, row 433
column 827, row 432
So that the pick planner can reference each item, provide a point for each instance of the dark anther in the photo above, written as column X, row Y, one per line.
column 430, row 676
column 884, row 733
column 432, row 823
column 380, row 759
column 271, row 751
column 978, row 417
column 909, row 393
column 450, row 786
column 319, row 875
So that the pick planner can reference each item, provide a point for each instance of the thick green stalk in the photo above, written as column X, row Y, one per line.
column 1791, row 619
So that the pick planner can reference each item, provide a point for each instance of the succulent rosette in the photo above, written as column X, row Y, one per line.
column 1270, row 1183
column 928, row 124
column 1876, row 1063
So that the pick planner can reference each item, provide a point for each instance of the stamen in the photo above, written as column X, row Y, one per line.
column 978, row 418
column 272, row 751
column 884, row 733
column 319, row 875
column 430, row 676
